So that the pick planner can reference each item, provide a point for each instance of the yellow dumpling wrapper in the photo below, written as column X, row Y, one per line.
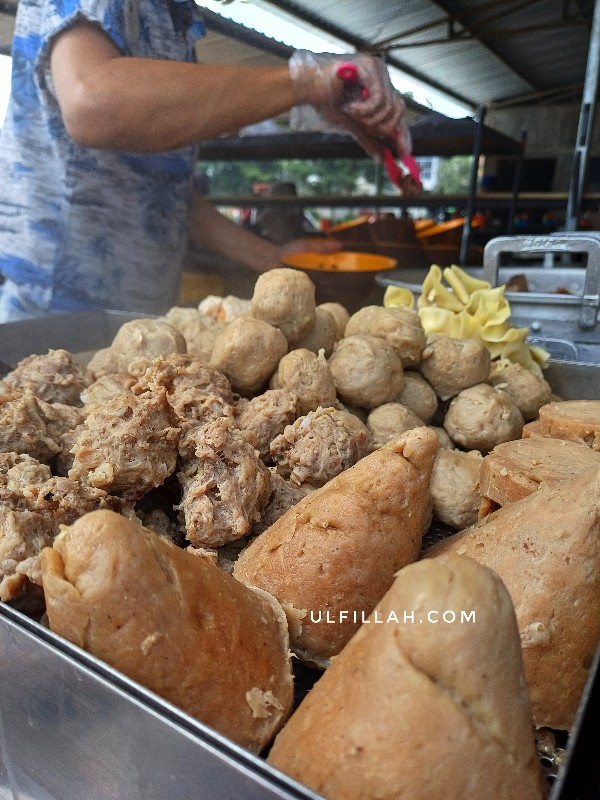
column 469, row 308
column 463, row 284
column 398, row 296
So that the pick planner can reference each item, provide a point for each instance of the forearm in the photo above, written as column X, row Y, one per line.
column 212, row 230
column 148, row 105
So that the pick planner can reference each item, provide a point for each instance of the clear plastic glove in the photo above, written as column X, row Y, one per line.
column 376, row 115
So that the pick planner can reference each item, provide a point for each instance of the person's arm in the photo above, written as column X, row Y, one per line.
column 213, row 231
column 150, row 105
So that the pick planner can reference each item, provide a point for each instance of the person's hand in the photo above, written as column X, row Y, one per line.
column 375, row 113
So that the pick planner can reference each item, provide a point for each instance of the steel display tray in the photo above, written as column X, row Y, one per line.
column 71, row 727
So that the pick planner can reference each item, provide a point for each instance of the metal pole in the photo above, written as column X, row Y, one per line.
column 466, row 233
column 516, row 181
column 586, row 121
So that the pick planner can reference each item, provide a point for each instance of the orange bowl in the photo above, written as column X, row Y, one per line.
column 344, row 277
column 343, row 261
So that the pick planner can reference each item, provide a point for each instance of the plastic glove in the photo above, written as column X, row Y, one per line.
column 368, row 118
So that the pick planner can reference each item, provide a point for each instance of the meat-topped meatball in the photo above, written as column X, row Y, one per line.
column 266, row 415
column 481, row 417
column 54, row 377
column 225, row 485
column 31, row 516
column 248, row 352
column 451, row 365
column 319, row 446
column 285, row 298
column 454, row 487
column 367, row 371
column 284, row 496
column 196, row 391
column 308, row 376
column 106, row 388
column 529, row 392
column 24, row 426
column 19, row 471
column 401, row 328
column 127, row 446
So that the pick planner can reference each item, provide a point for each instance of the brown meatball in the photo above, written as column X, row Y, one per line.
column 418, row 395
column 285, row 298
column 318, row 446
column 225, row 485
column 389, row 420
column 451, row 365
column 445, row 440
column 528, row 391
column 454, row 487
column 197, row 329
column 248, row 352
column 146, row 338
column 266, row 416
column 481, row 417
column 366, row 371
column 308, row 376
column 340, row 315
column 127, row 446
column 322, row 335
column 401, row 328
column 54, row 377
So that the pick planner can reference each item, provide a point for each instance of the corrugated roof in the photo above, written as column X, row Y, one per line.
column 481, row 52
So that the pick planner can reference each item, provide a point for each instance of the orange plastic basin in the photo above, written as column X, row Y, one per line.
column 340, row 262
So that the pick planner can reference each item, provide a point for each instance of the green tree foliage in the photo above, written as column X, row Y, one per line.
column 311, row 176
column 454, row 175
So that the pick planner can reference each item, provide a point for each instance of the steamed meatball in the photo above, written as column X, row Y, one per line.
column 54, row 377
column 481, row 417
column 451, row 365
column 248, row 352
column 322, row 336
column 284, row 495
column 389, row 420
column 419, row 396
column 318, row 446
column 308, row 376
column 366, row 371
column 340, row 315
column 445, row 440
column 454, row 487
column 285, row 298
column 137, row 339
column 199, row 331
column 528, row 391
column 401, row 328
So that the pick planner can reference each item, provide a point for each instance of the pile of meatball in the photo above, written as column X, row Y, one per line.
column 207, row 424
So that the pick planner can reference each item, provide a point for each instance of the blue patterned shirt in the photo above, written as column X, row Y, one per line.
column 84, row 228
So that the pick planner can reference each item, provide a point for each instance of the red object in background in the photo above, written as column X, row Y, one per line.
column 348, row 73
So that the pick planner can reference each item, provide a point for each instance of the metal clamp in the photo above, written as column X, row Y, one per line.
column 560, row 244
